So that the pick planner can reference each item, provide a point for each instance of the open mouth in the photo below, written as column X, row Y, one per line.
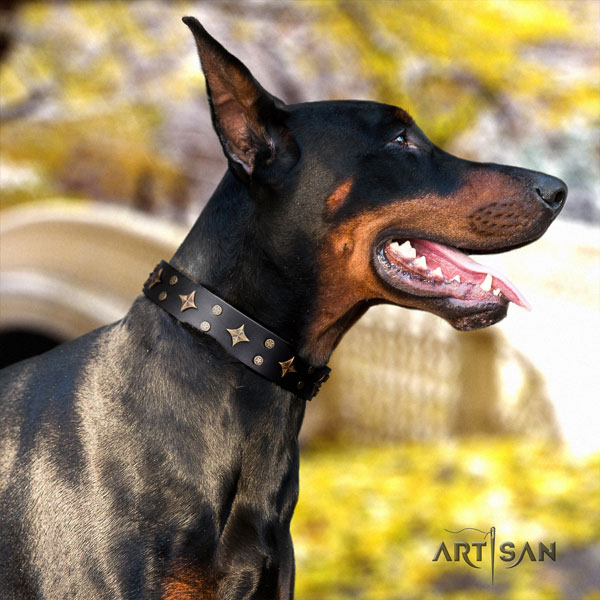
column 426, row 268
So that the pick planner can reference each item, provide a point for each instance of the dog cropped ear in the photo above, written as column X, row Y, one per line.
column 247, row 119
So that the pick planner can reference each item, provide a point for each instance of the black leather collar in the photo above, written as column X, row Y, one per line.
column 245, row 339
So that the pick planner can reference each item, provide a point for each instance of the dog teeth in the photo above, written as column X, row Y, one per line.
column 438, row 273
column 456, row 278
column 486, row 286
column 407, row 250
column 496, row 292
column 421, row 263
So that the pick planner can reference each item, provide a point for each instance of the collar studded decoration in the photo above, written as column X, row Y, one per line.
column 252, row 344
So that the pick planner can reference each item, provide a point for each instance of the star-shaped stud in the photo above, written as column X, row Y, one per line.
column 287, row 366
column 155, row 278
column 238, row 335
column 187, row 301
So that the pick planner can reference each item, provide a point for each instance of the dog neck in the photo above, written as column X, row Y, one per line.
column 226, row 252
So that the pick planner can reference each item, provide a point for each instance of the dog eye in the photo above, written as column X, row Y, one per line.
column 401, row 139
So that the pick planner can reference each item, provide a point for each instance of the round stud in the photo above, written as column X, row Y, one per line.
column 205, row 326
column 269, row 344
column 162, row 296
column 300, row 385
column 311, row 370
column 173, row 280
column 258, row 360
column 217, row 309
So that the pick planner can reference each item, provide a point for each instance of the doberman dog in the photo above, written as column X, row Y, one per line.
column 146, row 459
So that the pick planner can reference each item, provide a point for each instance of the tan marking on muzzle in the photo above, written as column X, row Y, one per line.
column 347, row 277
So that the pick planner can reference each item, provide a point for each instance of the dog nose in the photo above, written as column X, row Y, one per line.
column 551, row 190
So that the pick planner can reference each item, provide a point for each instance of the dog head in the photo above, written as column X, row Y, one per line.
column 362, row 208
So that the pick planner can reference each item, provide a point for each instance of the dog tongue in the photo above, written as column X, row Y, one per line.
column 466, row 263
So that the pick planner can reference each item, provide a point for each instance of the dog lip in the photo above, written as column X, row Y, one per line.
column 485, row 316
column 462, row 312
column 409, row 274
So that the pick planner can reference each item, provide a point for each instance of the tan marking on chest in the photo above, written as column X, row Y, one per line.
column 187, row 582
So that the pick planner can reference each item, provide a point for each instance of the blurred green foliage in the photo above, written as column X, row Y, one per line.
column 93, row 79
column 370, row 520
column 448, row 60
column 94, row 83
